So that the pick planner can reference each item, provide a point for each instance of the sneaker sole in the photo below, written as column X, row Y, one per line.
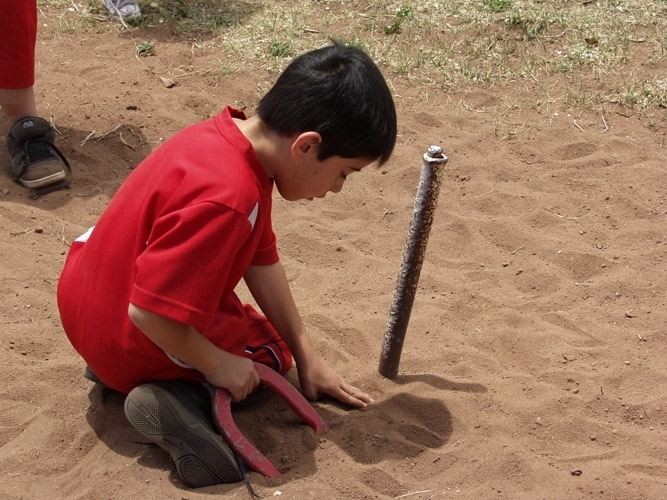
column 200, row 455
column 44, row 181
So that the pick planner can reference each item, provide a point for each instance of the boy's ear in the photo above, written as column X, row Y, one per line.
column 305, row 144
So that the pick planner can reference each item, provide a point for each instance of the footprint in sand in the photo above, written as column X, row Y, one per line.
column 575, row 150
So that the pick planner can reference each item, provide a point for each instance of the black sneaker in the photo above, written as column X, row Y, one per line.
column 177, row 416
column 35, row 161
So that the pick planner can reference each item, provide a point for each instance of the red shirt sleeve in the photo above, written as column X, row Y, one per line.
column 267, row 251
column 193, row 258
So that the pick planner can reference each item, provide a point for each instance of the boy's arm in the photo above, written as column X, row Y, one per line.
column 269, row 287
column 220, row 368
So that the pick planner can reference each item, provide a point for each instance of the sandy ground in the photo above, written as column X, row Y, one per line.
column 534, row 364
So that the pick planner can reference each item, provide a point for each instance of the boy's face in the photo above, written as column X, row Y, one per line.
column 311, row 178
column 302, row 176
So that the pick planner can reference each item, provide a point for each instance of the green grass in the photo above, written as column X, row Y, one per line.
column 610, row 51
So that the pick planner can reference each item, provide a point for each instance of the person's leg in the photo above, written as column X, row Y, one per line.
column 18, row 34
column 35, row 161
column 177, row 415
column 264, row 344
column 18, row 103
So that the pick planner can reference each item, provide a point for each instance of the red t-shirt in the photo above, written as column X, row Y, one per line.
column 176, row 239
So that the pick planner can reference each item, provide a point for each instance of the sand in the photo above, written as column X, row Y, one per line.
column 534, row 362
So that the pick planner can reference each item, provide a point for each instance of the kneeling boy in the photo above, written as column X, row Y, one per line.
column 147, row 295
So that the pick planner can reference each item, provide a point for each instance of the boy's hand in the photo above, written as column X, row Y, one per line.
column 270, row 289
column 317, row 377
column 220, row 368
column 236, row 374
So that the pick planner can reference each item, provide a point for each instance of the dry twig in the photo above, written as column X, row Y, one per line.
column 97, row 137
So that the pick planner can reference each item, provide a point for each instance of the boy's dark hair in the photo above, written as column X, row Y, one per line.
column 339, row 92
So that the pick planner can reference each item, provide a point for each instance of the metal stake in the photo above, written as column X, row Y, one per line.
column 413, row 257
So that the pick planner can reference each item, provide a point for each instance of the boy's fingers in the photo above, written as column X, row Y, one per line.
column 354, row 401
column 251, row 383
column 355, row 397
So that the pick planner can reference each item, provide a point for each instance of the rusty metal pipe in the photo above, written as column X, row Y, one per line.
column 413, row 258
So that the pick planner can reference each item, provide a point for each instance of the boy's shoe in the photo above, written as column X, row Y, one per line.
column 124, row 10
column 90, row 375
column 35, row 161
column 177, row 416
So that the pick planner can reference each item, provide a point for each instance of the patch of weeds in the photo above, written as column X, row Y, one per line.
column 281, row 49
column 96, row 8
column 498, row 5
column 181, row 10
column 145, row 49
column 532, row 27
column 226, row 69
column 406, row 62
column 219, row 21
column 199, row 17
column 645, row 94
column 357, row 43
column 446, row 43
column 401, row 15
column 562, row 64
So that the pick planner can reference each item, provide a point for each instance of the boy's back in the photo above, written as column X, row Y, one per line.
column 153, row 244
